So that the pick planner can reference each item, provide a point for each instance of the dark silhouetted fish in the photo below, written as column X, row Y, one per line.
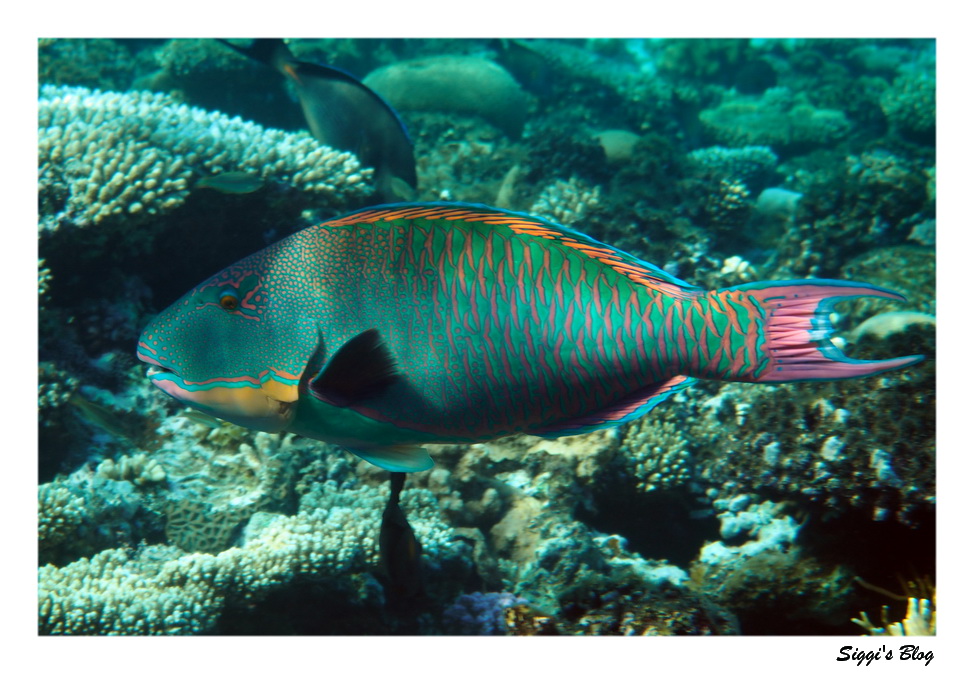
column 345, row 114
column 529, row 67
column 400, row 553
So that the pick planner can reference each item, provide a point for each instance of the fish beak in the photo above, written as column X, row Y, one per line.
column 261, row 405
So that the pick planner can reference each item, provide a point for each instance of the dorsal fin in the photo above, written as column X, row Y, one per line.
column 638, row 270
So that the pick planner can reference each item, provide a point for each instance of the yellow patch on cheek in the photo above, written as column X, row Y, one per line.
column 285, row 393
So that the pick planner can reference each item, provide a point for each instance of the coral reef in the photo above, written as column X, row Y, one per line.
column 778, row 119
column 729, row 509
column 752, row 164
column 106, row 154
column 163, row 590
column 920, row 620
column 657, row 453
column 566, row 201
column 910, row 105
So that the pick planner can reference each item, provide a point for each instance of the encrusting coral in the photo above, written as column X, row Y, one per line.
column 107, row 154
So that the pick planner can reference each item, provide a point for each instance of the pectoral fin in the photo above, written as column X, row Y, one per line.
column 362, row 368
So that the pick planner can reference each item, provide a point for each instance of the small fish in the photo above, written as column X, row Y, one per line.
column 400, row 552
column 106, row 419
column 232, row 182
column 203, row 419
column 418, row 323
column 344, row 113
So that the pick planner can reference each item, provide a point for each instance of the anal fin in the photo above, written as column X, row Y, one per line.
column 631, row 407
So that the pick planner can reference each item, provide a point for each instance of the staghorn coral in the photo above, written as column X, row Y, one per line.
column 727, row 209
column 155, row 591
column 108, row 155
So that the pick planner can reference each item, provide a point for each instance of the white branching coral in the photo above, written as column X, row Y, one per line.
column 657, row 453
column 163, row 590
column 59, row 513
column 109, row 154
column 566, row 201
column 920, row 620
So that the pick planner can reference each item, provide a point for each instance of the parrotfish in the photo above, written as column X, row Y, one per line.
column 345, row 114
column 405, row 324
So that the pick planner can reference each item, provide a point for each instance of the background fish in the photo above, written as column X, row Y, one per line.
column 414, row 323
column 400, row 552
column 345, row 114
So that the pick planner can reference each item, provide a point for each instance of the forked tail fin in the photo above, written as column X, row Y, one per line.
column 797, row 330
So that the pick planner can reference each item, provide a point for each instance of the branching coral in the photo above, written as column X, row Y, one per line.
column 920, row 620
column 107, row 154
column 566, row 202
column 59, row 513
column 753, row 164
column 162, row 590
column 657, row 453
column 54, row 389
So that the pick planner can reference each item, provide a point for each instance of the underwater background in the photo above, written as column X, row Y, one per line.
column 729, row 509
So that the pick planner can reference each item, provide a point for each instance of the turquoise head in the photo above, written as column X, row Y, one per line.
column 232, row 347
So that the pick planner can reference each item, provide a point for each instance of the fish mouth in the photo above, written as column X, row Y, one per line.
column 260, row 403
column 155, row 367
column 154, row 370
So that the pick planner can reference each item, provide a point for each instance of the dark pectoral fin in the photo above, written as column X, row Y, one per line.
column 362, row 368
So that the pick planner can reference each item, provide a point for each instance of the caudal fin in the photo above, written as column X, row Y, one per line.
column 797, row 330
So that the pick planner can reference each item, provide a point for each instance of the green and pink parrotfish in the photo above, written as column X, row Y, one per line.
column 406, row 324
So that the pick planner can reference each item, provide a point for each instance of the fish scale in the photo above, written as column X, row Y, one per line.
column 414, row 323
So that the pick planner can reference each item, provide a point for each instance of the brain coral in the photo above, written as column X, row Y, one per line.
column 107, row 154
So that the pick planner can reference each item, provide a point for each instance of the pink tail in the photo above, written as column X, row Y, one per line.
column 797, row 330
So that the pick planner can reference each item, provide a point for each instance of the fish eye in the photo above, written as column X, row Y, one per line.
column 229, row 300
